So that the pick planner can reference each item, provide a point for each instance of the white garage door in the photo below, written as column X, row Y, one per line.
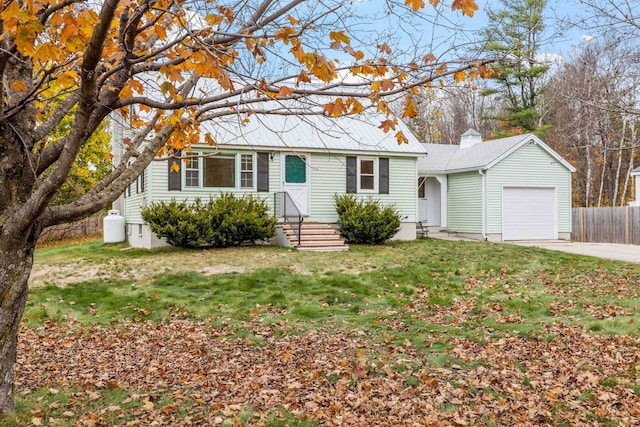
column 528, row 213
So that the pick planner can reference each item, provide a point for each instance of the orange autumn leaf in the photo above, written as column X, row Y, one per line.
column 384, row 48
column 293, row 20
column 442, row 69
column 383, row 107
column 285, row 92
column 339, row 36
column 387, row 125
column 428, row 58
column 459, row 76
column 335, row 109
column 416, row 5
column 356, row 106
column 401, row 138
column 303, row 77
column 19, row 86
column 209, row 139
column 387, row 85
column 284, row 34
column 468, row 7
column 410, row 108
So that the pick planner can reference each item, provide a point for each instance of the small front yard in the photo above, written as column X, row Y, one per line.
column 422, row 333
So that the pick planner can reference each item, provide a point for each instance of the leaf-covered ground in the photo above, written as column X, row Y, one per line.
column 185, row 372
column 422, row 333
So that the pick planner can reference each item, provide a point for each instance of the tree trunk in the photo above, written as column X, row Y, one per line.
column 587, row 185
column 616, row 182
column 16, row 260
column 602, row 175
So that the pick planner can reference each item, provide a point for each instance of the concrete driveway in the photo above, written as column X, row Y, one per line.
column 628, row 253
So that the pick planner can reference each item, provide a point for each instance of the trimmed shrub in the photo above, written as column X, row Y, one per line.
column 366, row 221
column 223, row 221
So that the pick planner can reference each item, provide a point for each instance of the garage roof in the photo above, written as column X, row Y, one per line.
column 443, row 158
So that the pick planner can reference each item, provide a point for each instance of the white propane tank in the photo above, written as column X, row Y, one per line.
column 113, row 227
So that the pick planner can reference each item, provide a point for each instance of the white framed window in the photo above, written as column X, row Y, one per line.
column 192, row 171
column 220, row 171
column 367, row 174
column 246, row 171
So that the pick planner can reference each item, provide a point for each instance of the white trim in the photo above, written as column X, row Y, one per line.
column 188, row 166
column 237, row 158
column 253, row 171
column 484, row 203
column 376, row 175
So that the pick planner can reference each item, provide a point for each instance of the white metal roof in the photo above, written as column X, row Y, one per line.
column 299, row 132
column 451, row 158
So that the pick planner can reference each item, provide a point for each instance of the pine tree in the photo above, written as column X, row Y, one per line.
column 514, row 33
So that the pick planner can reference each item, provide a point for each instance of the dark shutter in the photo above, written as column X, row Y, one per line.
column 383, row 167
column 263, row 171
column 175, row 177
column 352, row 174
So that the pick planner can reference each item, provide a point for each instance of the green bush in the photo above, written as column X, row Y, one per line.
column 224, row 221
column 366, row 221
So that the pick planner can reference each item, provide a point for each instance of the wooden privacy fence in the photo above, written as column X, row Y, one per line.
column 606, row 225
column 88, row 227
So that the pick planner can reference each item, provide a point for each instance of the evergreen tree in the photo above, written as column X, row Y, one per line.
column 515, row 34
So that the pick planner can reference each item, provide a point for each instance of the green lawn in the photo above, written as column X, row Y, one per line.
column 458, row 333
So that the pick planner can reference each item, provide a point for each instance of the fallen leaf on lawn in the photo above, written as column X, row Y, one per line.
column 148, row 404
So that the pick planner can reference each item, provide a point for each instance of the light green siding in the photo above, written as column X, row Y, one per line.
column 464, row 201
column 529, row 166
column 329, row 177
column 157, row 188
column 134, row 202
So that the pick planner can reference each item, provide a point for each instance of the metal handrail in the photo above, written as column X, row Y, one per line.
column 286, row 208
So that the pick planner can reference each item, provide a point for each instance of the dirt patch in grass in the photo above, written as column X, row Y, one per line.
column 145, row 268
column 183, row 372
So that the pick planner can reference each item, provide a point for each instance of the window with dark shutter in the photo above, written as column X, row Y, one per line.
column 352, row 174
column 383, row 167
column 263, row 171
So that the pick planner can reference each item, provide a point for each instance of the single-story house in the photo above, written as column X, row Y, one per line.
column 297, row 163
column 515, row 188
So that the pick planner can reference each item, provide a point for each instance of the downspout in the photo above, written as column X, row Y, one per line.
column 484, row 198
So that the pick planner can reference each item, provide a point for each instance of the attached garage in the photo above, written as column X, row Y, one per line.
column 528, row 213
column 514, row 188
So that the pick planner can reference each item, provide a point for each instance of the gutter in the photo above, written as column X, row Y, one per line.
column 484, row 209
